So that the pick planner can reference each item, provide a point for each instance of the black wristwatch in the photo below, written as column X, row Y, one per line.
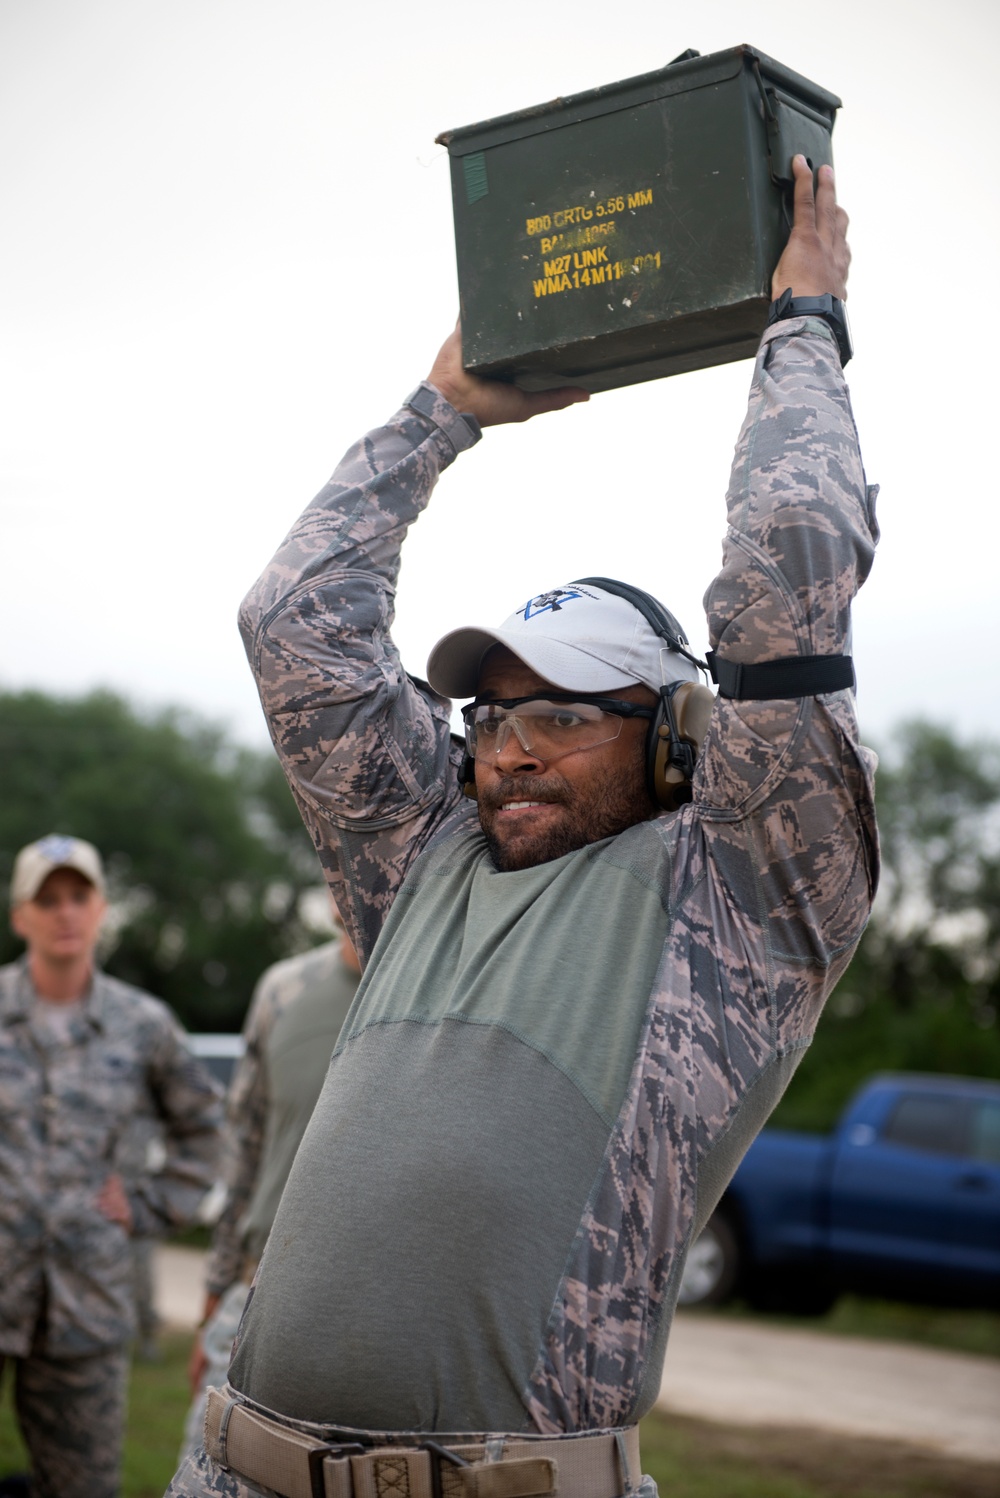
column 828, row 307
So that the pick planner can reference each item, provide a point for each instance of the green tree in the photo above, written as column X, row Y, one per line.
column 923, row 991
column 205, row 853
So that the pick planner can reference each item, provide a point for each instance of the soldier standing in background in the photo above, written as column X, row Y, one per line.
column 291, row 1028
column 80, row 1055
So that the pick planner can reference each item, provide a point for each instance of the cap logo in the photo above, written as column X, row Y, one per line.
column 55, row 847
column 548, row 603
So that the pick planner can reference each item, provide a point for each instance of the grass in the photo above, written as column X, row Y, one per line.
column 198, row 1236
column 689, row 1458
column 697, row 1459
column 158, row 1402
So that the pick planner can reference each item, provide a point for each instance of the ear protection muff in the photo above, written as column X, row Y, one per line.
column 674, row 741
column 678, row 730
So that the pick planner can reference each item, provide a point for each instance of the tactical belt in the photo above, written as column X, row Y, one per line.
column 604, row 1464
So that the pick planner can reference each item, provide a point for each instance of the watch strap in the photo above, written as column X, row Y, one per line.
column 827, row 306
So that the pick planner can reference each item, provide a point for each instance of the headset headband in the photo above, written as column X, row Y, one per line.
column 790, row 676
column 660, row 620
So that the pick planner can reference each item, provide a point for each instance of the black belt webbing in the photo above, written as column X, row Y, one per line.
column 792, row 676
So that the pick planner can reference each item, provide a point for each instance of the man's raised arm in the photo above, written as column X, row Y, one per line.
column 365, row 747
column 800, row 543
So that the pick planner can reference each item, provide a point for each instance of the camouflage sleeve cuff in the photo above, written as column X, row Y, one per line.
column 795, row 327
column 461, row 428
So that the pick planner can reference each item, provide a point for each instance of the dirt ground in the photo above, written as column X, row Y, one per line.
column 747, row 1373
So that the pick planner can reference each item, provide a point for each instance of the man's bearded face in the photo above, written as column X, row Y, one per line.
column 530, row 812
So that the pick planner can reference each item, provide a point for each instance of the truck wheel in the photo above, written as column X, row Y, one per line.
column 713, row 1263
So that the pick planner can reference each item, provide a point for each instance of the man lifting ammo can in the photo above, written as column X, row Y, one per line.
column 597, row 937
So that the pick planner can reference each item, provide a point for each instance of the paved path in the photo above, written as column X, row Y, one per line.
column 748, row 1373
column 180, row 1284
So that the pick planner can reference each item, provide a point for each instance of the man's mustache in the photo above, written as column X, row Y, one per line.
column 523, row 788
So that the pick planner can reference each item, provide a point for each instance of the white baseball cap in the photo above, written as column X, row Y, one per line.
column 579, row 637
column 37, row 861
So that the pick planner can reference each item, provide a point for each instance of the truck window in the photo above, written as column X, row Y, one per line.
column 986, row 1132
column 924, row 1122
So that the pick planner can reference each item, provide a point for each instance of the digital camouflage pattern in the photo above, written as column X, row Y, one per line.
column 316, row 629
column 200, row 1477
column 773, row 865
column 66, row 1110
column 141, row 1154
column 72, row 1416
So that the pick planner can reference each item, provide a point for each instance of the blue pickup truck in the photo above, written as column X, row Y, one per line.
column 901, row 1201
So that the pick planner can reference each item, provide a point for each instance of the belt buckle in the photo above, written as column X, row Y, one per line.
column 318, row 1455
column 438, row 1454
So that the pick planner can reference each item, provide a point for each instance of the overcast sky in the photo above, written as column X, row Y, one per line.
column 227, row 251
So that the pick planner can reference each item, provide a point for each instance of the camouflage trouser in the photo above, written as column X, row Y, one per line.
column 200, row 1477
column 72, row 1416
column 217, row 1344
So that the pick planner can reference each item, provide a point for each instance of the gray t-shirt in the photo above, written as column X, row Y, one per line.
column 459, row 1134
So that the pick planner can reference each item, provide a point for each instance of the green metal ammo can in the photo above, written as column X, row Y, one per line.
column 631, row 231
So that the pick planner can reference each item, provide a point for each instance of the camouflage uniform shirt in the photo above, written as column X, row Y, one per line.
column 384, row 1298
column 66, row 1107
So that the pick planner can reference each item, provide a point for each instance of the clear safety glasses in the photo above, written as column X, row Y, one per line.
column 546, row 727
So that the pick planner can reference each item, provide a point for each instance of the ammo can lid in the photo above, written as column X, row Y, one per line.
column 687, row 72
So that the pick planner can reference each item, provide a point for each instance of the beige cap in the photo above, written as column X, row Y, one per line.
column 37, row 861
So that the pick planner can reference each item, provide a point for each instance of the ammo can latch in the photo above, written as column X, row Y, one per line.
column 792, row 127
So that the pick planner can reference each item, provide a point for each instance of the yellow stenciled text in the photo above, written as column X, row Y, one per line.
column 590, row 268
column 583, row 213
